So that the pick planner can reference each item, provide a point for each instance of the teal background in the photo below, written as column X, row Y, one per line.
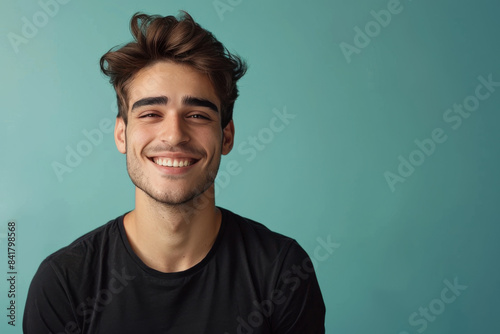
column 322, row 176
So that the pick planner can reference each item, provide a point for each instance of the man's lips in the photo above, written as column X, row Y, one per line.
column 173, row 162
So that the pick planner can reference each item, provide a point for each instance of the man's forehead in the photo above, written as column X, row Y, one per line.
column 172, row 80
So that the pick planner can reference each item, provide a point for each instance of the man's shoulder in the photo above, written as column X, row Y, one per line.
column 88, row 246
column 257, row 236
column 252, row 227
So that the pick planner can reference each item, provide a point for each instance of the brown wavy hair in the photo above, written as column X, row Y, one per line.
column 182, row 40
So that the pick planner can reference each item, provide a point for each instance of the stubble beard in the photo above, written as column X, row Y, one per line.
column 170, row 197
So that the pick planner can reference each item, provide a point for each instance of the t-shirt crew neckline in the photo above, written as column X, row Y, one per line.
column 179, row 274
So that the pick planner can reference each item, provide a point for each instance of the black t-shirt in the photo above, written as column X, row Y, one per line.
column 252, row 280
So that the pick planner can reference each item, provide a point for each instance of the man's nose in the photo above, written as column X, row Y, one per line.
column 174, row 130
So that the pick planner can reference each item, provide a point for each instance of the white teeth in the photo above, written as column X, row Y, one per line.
column 171, row 163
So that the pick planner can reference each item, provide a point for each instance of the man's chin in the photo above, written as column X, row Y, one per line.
column 174, row 201
column 192, row 199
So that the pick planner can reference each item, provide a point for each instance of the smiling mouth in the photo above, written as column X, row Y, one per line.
column 166, row 162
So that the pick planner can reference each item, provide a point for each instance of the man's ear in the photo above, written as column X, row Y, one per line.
column 120, row 138
column 228, row 138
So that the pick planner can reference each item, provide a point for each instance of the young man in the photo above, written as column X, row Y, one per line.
column 176, row 263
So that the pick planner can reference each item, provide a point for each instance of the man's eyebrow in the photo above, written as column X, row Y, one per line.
column 199, row 102
column 149, row 101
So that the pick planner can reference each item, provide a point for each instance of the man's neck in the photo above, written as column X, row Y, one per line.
column 172, row 238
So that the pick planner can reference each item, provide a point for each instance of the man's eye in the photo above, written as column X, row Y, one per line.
column 148, row 115
column 199, row 116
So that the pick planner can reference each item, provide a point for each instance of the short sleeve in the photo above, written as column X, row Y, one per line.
column 48, row 308
column 299, row 305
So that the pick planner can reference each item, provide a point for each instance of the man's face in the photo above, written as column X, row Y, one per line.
column 173, row 139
